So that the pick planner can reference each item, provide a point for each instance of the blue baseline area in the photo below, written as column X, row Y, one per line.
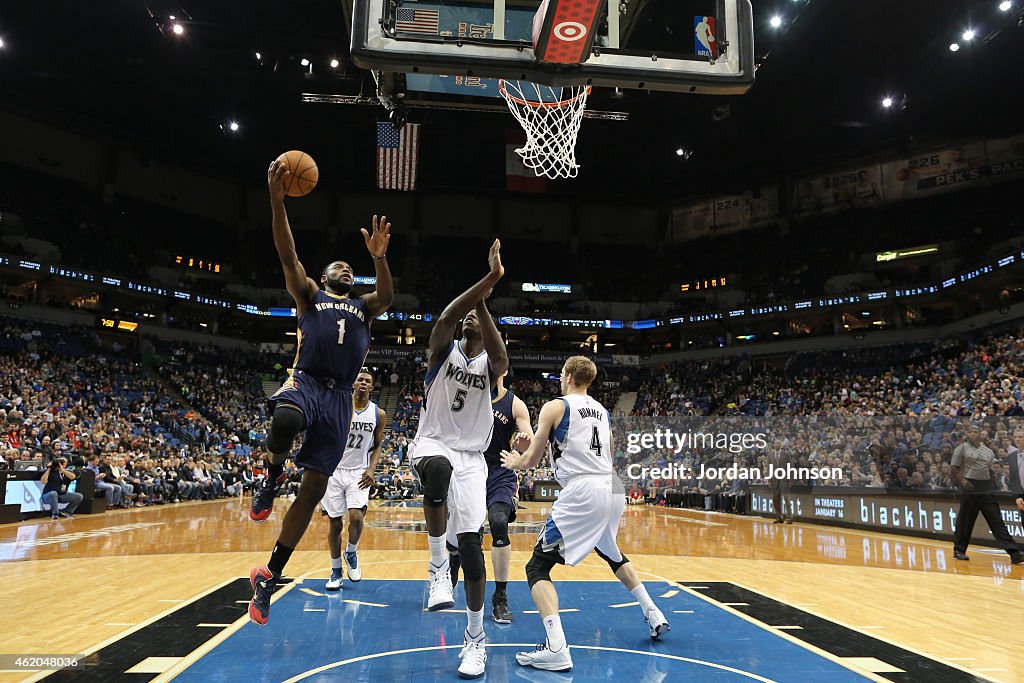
column 348, row 637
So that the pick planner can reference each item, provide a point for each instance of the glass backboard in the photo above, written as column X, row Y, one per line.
column 460, row 48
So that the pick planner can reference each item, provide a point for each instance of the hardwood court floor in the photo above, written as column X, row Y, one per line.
column 70, row 586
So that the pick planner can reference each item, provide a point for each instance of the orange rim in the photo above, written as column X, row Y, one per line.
column 537, row 105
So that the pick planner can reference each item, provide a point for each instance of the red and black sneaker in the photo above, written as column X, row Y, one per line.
column 263, row 584
column 263, row 497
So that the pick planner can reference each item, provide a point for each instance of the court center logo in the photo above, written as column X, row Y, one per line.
column 570, row 31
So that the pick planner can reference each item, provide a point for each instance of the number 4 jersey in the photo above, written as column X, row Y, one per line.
column 457, row 405
column 580, row 443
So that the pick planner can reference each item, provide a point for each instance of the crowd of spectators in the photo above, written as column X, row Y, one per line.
column 191, row 424
column 884, row 417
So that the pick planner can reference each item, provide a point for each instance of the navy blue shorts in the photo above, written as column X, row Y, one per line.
column 328, row 411
column 501, row 488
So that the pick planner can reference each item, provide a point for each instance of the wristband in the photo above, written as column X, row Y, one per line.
column 381, row 257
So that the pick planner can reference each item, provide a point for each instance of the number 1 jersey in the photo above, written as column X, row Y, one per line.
column 333, row 337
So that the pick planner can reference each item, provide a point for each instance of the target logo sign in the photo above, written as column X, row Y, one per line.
column 570, row 31
column 564, row 30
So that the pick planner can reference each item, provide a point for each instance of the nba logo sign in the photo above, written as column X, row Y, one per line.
column 704, row 41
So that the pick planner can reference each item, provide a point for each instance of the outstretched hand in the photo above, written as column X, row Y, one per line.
column 377, row 243
column 494, row 259
column 510, row 460
column 276, row 175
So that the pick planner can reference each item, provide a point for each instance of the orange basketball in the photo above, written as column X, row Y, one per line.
column 303, row 173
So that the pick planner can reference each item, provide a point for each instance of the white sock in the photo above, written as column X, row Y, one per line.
column 438, row 553
column 351, row 547
column 336, row 563
column 475, row 630
column 640, row 593
column 556, row 638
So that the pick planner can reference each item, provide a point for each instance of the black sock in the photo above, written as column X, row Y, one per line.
column 279, row 558
column 501, row 586
column 275, row 471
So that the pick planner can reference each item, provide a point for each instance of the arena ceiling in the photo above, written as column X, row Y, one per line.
column 114, row 69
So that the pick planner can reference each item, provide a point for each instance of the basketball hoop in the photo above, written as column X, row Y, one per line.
column 550, row 117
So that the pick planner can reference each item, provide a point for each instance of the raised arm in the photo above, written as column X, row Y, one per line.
column 494, row 345
column 366, row 481
column 550, row 415
column 444, row 329
column 300, row 286
column 380, row 299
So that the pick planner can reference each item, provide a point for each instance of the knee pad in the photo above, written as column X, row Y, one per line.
column 612, row 563
column 497, row 518
column 435, row 474
column 284, row 427
column 472, row 554
column 539, row 569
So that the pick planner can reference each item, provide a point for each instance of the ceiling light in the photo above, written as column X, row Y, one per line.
column 304, row 62
column 953, row 47
column 1, row 43
column 1005, row 6
column 887, row 102
column 259, row 56
column 172, row 17
column 178, row 29
column 776, row 21
column 234, row 126
column 334, row 63
column 680, row 152
column 968, row 34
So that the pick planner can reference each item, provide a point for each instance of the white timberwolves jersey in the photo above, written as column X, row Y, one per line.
column 580, row 443
column 360, row 438
column 457, row 407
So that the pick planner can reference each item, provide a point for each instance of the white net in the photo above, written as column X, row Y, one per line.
column 551, row 118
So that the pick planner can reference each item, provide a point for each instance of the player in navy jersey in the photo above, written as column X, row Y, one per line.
column 332, row 340
column 511, row 430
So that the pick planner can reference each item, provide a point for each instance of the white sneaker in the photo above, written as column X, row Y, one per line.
column 657, row 622
column 334, row 583
column 354, row 572
column 545, row 659
column 474, row 658
column 441, row 596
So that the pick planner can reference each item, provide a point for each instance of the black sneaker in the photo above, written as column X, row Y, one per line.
column 499, row 608
column 1017, row 558
column 263, row 498
column 960, row 555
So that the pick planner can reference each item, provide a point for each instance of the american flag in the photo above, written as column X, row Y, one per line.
column 397, row 156
column 418, row 21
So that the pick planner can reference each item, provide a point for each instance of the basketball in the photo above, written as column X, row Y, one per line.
column 303, row 173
